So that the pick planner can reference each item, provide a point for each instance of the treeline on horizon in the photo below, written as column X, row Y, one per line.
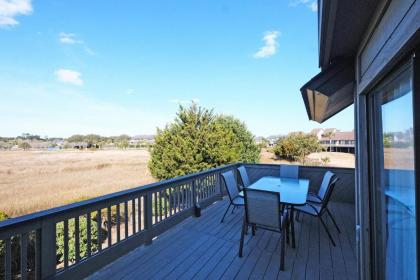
column 89, row 138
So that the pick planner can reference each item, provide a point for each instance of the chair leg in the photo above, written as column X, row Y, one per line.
column 253, row 230
column 225, row 212
column 241, row 242
column 326, row 229
column 283, row 245
column 292, row 225
column 332, row 218
column 233, row 209
column 286, row 230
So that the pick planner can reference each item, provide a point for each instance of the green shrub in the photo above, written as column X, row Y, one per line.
column 71, row 239
column 297, row 146
column 3, row 216
column 199, row 140
column 15, row 250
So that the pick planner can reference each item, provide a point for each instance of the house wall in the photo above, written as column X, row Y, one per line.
column 391, row 32
column 390, row 39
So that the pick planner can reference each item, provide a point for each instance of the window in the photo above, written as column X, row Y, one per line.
column 393, row 183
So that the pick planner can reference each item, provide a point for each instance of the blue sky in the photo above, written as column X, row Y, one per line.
column 113, row 67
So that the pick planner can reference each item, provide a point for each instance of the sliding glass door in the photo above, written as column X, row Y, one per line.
column 393, row 180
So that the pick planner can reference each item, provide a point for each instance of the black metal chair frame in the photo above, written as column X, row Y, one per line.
column 284, row 223
column 241, row 187
column 324, row 209
column 231, row 199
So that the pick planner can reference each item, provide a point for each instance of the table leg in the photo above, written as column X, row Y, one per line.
column 292, row 224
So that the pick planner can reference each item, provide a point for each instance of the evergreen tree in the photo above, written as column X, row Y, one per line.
column 197, row 140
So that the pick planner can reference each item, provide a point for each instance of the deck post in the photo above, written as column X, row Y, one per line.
column 219, row 185
column 194, row 194
column 148, row 213
column 48, row 250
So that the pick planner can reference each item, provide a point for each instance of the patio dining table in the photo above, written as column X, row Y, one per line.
column 293, row 192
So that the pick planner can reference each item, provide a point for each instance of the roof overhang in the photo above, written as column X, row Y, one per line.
column 341, row 26
column 330, row 91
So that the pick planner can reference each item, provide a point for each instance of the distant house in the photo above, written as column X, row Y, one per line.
column 334, row 140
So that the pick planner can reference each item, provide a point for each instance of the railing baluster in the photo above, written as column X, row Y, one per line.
column 77, row 238
column 205, row 183
column 126, row 219
column 133, row 213
column 109, row 226
column 89, row 235
column 66, row 243
column 99, row 228
column 118, row 223
column 170, row 202
column 154, row 206
column 178, row 198
column 139, row 212
column 159, row 206
column 24, row 256
column 165, row 198
column 8, row 259
column 181, row 198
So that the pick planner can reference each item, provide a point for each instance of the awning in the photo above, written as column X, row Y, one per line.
column 330, row 91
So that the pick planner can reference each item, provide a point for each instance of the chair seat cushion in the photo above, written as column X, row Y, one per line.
column 309, row 209
column 238, row 201
column 313, row 198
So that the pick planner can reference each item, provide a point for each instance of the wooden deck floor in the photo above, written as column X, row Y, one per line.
column 202, row 248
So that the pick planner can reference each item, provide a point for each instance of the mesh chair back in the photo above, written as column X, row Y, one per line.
column 326, row 181
column 289, row 171
column 262, row 208
column 231, row 184
column 328, row 193
column 244, row 176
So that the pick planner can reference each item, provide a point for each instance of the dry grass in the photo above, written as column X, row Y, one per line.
column 399, row 158
column 335, row 159
column 36, row 180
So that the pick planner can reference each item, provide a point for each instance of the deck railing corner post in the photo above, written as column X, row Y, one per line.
column 48, row 255
column 194, row 198
column 148, row 223
column 219, row 185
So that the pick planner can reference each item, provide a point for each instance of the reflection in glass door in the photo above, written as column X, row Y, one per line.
column 394, row 179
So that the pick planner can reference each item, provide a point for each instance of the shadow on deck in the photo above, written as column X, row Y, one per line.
column 203, row 248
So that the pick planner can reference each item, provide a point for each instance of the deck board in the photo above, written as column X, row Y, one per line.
column 204, row 248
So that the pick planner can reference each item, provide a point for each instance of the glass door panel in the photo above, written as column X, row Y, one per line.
column 394, row 179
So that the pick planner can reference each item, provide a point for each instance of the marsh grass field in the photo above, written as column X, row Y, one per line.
column 37, row 180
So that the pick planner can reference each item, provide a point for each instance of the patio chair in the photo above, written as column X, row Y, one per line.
column 319, row 209
column 233, row 192
column 317, row 198
column 289, row 171
column 244, row 177
column 263, row 210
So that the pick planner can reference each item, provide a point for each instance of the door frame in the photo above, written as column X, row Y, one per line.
column 412, row 64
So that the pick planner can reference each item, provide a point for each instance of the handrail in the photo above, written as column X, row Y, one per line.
column 113, row 225
column 75, row 240
column 34, row 217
